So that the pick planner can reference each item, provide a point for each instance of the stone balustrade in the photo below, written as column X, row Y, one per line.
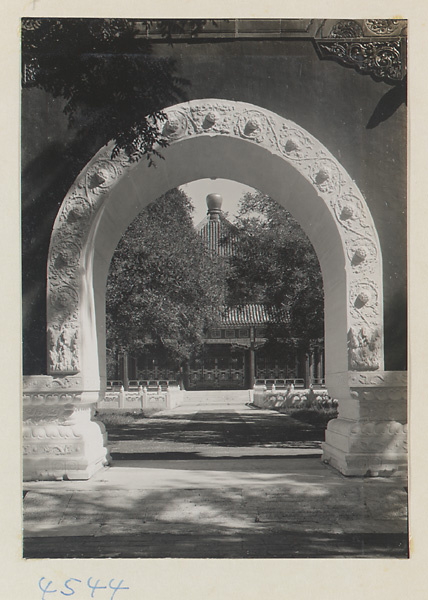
column 293, row 399
column 142, row 399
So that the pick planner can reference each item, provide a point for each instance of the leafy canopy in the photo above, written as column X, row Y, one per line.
column 113, row 86
column 164, row 288
column 275, row 263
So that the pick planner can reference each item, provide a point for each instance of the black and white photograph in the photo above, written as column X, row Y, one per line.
column 214, row 290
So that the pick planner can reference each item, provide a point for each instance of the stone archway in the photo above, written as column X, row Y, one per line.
column 233, row 140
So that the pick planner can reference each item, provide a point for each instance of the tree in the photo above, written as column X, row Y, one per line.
column 164, row 288
column 275, row 263
column 104, row 69
column 113, row 86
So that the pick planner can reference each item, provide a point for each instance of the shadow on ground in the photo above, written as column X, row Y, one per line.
column 296, row 519
column 218, row 428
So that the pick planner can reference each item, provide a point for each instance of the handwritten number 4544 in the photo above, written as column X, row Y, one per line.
column 72, row 584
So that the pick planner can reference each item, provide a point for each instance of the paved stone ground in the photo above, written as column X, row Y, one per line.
column 216, row 480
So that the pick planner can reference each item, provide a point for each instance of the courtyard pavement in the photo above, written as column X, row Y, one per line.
column 216, row 479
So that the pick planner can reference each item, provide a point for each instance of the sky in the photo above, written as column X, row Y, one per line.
column 232, row 192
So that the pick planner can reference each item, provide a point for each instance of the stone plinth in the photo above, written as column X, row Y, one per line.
column 370, row 435
column 60, row 438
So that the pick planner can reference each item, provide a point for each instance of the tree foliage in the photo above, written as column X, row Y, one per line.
column 113, row 86
column 164, row 288
column 275, row 263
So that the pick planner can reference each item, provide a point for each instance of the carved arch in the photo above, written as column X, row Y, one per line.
column 265, row 151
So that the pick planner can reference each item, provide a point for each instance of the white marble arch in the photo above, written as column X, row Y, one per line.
column 248, row 144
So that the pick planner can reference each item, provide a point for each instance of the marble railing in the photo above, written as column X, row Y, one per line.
column 293, row 399
column 141, row 399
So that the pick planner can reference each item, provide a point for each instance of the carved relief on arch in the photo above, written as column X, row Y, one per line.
column 365, row 336
column 362, row 255
column 252, row 125
column 326, row 176
column 64, row 298
column 296, row 144
column 75, row 211
column 176, row 126
column 364, row 346
column 63, row 349
column 364, row 301
column 65, row 256
column 101, row 176
column 360, row 242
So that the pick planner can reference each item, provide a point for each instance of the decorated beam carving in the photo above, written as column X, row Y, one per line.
column 376, row 47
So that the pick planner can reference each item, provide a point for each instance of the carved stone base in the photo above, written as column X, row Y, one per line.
column 63, row 451
column 60, row 438
column 366, row 448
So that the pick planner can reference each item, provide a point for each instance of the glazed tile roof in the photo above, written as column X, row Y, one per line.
column 217, row 235
column 253, row 314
